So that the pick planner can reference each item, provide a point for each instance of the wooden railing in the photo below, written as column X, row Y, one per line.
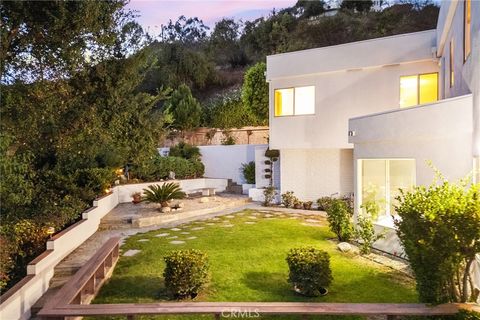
column 73, row 298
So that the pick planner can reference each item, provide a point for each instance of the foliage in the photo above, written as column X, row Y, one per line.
column 357, row 5
column 158, row 167
column 162, row 194
column 269, row 196
column 227, row 111
column 228, row 139
column 339, row 218
column 288, row 199
column 439, row 227
column 6, row 262
column 185, row 151
column 248, row 171
column 324, row 203
column 184, row 108
column 186, row 272
column 307, row 205
column 255, row 92
column 365, row 233
column 309, row 270
column 224, row 44
column 188, row 31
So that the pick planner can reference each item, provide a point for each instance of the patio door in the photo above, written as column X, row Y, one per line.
column 380, row 180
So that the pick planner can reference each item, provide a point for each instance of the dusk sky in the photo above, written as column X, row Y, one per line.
column 154, row 13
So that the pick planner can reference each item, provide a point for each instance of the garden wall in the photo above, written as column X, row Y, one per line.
column 226, row 161
column 17, row 302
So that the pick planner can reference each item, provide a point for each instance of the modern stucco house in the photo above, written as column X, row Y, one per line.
column 365, row 117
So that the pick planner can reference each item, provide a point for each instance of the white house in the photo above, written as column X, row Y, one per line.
column 365, row 117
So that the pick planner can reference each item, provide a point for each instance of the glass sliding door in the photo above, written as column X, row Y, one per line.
column 380, row 180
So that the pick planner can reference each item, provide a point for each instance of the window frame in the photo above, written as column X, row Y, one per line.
column 418, row 87
column 451, row 64
column 467, row 26
column 294, row 93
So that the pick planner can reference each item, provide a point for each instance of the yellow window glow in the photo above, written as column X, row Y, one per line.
column 451, row 66
column 428, row 88
column 284, row 102
column 408, row 91
column 304, row 100
column 467, row 29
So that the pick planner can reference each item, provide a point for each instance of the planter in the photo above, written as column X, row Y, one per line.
column 298, row 206
column 137, row 198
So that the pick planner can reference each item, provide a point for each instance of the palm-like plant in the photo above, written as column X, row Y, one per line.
column 162, row 194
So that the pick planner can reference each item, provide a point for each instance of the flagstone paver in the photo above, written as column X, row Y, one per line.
column 229, row 217
column 184, row 232
column 191, row 238
column 175, row 229
column 228, row 225
column 252, row 217
column 177, row 242
column 200, row 228
column 131, row 252
column 143, row 240
column 250, row 222
column 174, row 237
column 162, row 235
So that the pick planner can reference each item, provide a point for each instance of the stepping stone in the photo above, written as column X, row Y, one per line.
column 143, row 240
column 295, row 214
column 191, row 238
column 264, row 211
column 175, row 229
column 200, row 228
column 162, row 234
column 131, row 252
column 240, row 213
column 184, row 232
column 311, row 225
column 209, row 224
column 252, row 217
column 228, row 225
column 174, row 237
column 177, row 242
column 250, row 222
column 312, row 221
column 255, row 213
column 277, row 213
column 229, row 217
column 268, row 215
column 215, row 219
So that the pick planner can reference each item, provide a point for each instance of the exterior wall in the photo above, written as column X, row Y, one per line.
column 313, row 173
column 338, row 97
column 226, row 161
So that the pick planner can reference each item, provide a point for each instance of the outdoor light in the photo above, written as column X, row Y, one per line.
column 107, row 190
column 50, row 231
column 119, row 171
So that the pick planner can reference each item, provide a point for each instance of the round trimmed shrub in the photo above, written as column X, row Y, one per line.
column 186, row 273
column 310, row 272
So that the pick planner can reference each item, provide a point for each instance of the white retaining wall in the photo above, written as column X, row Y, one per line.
column 16, row 302
column 226, row 161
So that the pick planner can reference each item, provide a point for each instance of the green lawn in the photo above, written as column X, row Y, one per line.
column 247, row 263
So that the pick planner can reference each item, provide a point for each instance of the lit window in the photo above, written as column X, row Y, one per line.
column 418, row 89
column 467, row 29
column 295, row 101
column 452, row 69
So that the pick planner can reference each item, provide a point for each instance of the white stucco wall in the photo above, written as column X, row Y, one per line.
column 313, row 173
column 226, row 161
column 339, row 96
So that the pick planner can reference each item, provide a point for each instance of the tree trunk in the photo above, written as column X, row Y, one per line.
column 466, row 276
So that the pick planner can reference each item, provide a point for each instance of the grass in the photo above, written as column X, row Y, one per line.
column 247, row 263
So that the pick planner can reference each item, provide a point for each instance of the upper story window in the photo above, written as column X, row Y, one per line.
column 451, row 64
column 418, row 89
column 294, row 101
column 467, row 29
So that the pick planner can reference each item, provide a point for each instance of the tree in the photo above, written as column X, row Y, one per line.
column 357, row 5
column 439, row 227
column 184, row 108
column 188, row 31
column 310, row 8
column 225, row 45
column 255, row 92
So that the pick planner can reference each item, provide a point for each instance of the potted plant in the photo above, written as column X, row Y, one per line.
column 163, row 194
column 137, row 197
column 298, row 204
column 307, row 205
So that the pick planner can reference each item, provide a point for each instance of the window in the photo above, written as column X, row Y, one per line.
column 418, row 89
column 451, row 66
column 467, row 38
column 294, row 101
column 382, row 179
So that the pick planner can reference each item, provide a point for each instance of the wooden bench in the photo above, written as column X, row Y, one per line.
column 72, row 300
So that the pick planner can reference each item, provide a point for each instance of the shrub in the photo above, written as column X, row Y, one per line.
column 310, row 271
column 288, row 199
column 269, row 195
column 324, row 203
column 439, row 227
column 255, row 92
column 228, row 140
column 6, row 262
column 307, row 205
column 186, row 272
column 248, row 170
column 159, row 168
column 365, row 233
column 162, row 194
column 185, row 151
column 339, row 218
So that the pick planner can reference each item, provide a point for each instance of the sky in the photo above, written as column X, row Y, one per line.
column 154, row 13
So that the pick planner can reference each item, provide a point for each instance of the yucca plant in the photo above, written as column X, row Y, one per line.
column 162, row 194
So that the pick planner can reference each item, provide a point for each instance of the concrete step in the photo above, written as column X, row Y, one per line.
column 235, row 189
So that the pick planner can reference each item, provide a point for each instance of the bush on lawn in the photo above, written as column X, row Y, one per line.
column 159, row 168
column 324, row 203
column 186, row 273
column 289, row 199
column 439, row 227
column 339, row 217
column 269, row 196
column 248, row 170
column 310, row 271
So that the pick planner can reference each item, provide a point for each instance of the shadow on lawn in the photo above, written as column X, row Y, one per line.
column 274, row 283
column 130, row 289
